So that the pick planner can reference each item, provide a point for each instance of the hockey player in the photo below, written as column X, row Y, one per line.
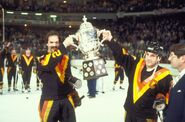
column 58, row 97
column 3, row 53
column 26, row 64
column 12, row 61
column 119, row 75
column 146, row 80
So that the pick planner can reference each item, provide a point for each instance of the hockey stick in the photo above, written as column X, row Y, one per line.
column 16, row 77
column 102, row 85
column 79, row 69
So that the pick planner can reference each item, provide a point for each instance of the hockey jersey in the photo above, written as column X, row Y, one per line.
column 142, row 91
column 54, row 72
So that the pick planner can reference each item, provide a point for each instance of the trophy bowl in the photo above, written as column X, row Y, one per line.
column 89, row 44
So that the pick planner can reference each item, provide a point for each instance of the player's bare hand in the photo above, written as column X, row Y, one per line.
column 68, row 41
column 106, row 35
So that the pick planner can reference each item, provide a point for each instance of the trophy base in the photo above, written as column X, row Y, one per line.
column 93, row 69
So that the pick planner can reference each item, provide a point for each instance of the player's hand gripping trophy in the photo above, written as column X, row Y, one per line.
column 89, row 44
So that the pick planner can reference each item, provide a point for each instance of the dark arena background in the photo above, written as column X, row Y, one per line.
column 133, row 23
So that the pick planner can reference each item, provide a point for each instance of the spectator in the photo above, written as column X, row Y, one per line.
column 176, row 108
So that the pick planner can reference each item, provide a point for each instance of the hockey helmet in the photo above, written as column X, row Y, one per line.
column 154, row 47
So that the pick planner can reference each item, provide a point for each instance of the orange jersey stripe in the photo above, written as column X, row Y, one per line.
column 46, row 110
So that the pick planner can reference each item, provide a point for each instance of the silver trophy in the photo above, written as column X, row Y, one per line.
column 89, row 44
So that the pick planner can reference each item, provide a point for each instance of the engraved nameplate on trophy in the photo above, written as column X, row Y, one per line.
column 89, row 44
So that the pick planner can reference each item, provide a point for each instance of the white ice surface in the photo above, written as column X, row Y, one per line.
column 108, row 107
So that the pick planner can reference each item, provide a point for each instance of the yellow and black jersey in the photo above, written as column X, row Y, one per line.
column 2, row 57
column 39, row 55
column 54, row 71
column 142, row 89
column 117, row 66
column 12, row 60
column 26, row 63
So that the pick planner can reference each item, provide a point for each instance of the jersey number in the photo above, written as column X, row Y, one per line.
column 56, row 54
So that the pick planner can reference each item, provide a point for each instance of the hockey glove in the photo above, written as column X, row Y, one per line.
column 76, row 99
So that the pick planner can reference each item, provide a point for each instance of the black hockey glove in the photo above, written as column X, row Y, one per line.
column 75, row 98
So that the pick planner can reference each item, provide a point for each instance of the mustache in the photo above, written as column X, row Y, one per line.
column 54, row 48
